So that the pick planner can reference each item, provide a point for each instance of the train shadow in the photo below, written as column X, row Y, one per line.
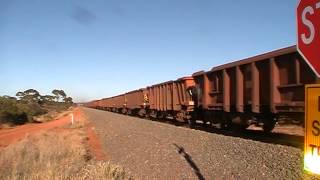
column 255, row 135
column 189, row 160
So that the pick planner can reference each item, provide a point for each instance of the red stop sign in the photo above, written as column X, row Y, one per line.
column 308, row 20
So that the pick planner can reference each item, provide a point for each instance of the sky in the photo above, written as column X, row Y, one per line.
column 101, row 48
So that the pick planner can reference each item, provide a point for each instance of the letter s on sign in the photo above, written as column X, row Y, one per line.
column 316, row 128
column 308, row 23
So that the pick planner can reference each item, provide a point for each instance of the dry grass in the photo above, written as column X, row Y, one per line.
column 51, row 115
column 78, row 124
column 56, row 154
column 101, row 170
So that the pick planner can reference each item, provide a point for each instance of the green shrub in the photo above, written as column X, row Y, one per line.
column 10, row 112
column 16, row 113
column 31, row 104
column 31, row 110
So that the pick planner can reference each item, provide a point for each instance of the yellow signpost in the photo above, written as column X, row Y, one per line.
column 312, row 129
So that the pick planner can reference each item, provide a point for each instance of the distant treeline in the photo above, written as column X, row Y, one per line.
column 29, row 103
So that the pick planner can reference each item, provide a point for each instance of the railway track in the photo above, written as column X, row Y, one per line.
column 292, row 140
column 256, row 135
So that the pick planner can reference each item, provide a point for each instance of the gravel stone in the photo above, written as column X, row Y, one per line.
column 153, row 150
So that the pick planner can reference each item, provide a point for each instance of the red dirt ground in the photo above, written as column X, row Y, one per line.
column 94, row 143
column 95, row 146
column 9, row 136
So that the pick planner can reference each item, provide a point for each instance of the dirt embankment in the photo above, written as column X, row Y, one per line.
column 55, row 150
column 8, row 136
column 94, row 142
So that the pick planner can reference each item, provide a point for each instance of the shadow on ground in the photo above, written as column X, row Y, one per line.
column 189, row 160
column 255, row 135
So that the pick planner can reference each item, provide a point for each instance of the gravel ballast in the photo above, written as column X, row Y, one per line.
column 153, row 150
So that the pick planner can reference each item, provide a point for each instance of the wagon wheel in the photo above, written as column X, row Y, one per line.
column 269, row 123
column 147, row 115
column 191, row 123
column 192, row 120
column 242, row 127
column 235, row 123
column 226, row 123
column 207, row 118
column 153, row 115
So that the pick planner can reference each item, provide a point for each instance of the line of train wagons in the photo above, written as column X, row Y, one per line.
column 261, row 90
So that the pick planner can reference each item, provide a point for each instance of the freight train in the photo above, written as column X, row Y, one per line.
column 261, row 90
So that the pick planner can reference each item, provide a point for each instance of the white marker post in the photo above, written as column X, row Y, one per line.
column 72, row 121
